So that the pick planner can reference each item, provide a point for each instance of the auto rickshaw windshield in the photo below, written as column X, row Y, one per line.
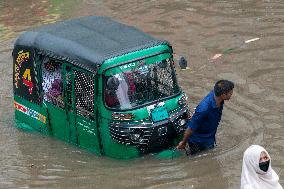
column 138, row 83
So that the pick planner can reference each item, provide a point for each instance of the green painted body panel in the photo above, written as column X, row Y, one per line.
column 131, row 56
column 34, row 124
column 73, row 136
column 88, row 134
column 58, row 122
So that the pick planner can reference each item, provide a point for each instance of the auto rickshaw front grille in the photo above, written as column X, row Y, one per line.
column 124, row 134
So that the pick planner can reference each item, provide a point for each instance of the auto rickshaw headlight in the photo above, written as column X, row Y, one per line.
column 182, row 122
column 182, row 100
column 122, row 117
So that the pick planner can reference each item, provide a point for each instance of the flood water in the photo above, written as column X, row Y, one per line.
column 197, row 30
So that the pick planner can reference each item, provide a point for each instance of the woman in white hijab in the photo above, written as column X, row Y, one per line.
column 257, row 172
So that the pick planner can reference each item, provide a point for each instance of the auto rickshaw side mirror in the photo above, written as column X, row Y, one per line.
column 112, row 83
column 183, row 63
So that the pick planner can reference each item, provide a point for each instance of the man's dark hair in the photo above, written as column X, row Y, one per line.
column 223, row 87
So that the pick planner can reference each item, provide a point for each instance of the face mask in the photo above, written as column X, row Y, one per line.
column 264, row 165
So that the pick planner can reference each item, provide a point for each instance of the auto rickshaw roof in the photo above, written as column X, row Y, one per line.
column 87, row 41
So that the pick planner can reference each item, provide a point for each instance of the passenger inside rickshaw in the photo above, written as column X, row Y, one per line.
column 110, row 98
column 52, row 82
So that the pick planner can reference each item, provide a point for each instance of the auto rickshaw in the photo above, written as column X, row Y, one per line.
column 99, row 84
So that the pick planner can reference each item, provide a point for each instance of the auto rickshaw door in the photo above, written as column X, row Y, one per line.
column 69, row 96
column 81, row 107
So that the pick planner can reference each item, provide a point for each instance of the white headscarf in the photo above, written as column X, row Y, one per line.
column 252, row 176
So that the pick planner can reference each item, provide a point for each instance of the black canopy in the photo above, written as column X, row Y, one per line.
column 87, row 41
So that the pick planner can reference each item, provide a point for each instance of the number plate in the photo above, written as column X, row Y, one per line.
column 159, row 113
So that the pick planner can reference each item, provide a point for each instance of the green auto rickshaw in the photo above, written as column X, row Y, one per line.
column 99, row 84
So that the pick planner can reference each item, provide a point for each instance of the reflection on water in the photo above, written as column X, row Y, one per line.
column 196, row 29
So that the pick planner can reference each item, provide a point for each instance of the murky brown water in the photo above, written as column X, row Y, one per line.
column 196, row 29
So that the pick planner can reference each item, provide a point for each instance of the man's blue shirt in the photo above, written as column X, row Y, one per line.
column 205, row 121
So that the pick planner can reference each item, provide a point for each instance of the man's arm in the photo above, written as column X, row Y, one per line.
column 193, row 124
column 188, row 132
